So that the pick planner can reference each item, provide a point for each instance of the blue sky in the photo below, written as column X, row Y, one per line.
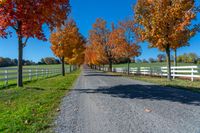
column 85, row 13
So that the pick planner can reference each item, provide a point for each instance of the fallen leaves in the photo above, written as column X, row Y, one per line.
column 148, row 110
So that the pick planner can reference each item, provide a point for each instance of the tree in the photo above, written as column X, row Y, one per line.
column 138, row 61
column 98, row 38
column 188, row 58
column 130, row 48
column 144, row 61
column 107, row 46
column 117, row 46
column 90, row 56
column 5, row 62
column 161, row 57
column 42, row 61
column 58, row 47
column 78, row 51
column 152, row 60
column 68, row 44
column 27, row 17
column 163, row 23
column 50, row 61
column 192, row 57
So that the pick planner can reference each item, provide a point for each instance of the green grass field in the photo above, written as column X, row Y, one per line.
column 12, row 82
column 40, row 66
column 157, row 64
column 177, row 83
column 32, row 108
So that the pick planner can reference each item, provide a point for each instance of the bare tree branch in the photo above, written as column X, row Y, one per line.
column 25, row 42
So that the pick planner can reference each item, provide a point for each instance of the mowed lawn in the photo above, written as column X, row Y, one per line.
column 157, row 64
column 41, row 66
column 14, row 81
column 177, row 83
column 32, row 108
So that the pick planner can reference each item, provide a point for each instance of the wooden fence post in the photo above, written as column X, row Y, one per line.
column 174, row 73
column 192, row 75
column 36, row 73
column 30, row 74
column 46, row 72
column 6, row 77
column 151, row 72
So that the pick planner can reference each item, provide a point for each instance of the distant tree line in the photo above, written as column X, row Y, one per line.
column 5, row 62
column 184, row 58
column 49, row 61
column 189, row 58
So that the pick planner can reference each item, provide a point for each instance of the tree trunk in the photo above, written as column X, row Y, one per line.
column 110, row 65
column 168, row 64
column 70, row 68
column 175, row 57
column 128, row 66
column 63, row 66
column 20, row 63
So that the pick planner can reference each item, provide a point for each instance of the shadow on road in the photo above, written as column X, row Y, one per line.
column 151, row 92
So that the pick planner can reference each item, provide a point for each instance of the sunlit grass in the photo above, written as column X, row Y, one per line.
column 177, row 83
column 32, row 108
column 14, row 81
column 157, row 64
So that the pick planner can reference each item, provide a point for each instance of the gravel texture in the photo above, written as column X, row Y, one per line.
column 102, row 103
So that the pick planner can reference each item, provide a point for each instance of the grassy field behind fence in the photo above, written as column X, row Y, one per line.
column 13, row 82
column 32, row 108
column 157, row 64
column 177, row 83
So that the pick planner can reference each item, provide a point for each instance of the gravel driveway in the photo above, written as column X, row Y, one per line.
column 102, row 103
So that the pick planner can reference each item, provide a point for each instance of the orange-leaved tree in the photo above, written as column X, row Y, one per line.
column 98, row 39
column 163, row 23
column 116, row 44
column 131, row 49
column 27, row 17
column 68, row 44
column 58, row 47
column 95, row 55
column 108, row 43
column 78, row 50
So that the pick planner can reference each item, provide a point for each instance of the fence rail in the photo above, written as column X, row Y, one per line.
column 192, row 72
column 8, row 73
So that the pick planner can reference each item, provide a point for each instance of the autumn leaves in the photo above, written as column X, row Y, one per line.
column 27, row 18
column 165, row 24
column 68, row 44
column 107, row 46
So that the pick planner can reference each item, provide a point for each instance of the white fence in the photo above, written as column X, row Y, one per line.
column 192, row 72
column 9, row 74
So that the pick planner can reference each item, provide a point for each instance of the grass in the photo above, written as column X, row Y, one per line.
column 157, row 64
column 13, row 82
column 40, row 66
column 177, row 83
column 32, row 108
